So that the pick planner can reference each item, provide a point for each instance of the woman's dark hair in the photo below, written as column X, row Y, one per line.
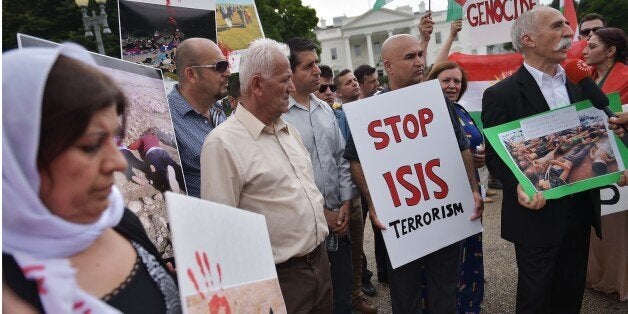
column 614, row 37
column 448, row 65
column 74, row 92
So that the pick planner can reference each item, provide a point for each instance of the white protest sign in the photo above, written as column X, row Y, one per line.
column 223, row 258
column 490, row 21
column 414, row 170
column 614, row 199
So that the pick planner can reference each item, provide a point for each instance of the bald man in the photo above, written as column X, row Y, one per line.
column 403, row 61
column 203, row 79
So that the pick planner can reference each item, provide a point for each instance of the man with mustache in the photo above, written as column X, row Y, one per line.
column 403, row 61
column 551, row 237
column 203, row 73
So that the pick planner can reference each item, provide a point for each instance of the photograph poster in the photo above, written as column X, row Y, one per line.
column 562, row 151
column 237, row 25
column 151, row 30
column 151, row 171
column 224, row 258
column 414, row 170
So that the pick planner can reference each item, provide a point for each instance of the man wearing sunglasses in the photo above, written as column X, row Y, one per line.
column 327, row 89
column 589, row 24
column 203, row 73
column 315, row 121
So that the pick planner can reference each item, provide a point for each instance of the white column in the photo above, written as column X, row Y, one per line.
column 348, row 53
column 390, row 33
column 369, row 47
column 414, row 31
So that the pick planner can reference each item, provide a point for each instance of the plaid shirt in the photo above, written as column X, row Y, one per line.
column 191, row 128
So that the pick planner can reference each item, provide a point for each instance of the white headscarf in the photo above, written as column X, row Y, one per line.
column 39, row 241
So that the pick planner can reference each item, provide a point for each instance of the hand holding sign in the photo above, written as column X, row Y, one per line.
column 536, row 202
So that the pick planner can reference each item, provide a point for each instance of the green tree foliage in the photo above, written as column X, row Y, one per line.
column 614, row 11
column 58, row 21
column 284, row 19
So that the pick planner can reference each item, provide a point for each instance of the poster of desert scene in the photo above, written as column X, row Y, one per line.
column 237, row 24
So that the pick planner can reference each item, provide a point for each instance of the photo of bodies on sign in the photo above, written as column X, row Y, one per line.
column 580, row 152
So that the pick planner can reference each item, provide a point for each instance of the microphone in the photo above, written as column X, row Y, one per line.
column 579, row 73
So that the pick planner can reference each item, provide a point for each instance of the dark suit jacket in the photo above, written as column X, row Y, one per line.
column 516, row 97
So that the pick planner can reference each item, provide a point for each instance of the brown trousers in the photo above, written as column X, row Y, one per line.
column 356, row 231
column 306, row 283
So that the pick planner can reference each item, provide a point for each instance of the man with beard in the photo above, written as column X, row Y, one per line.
column 203, row 79
column 403, row 61
column 348, row 88
column 551, row 238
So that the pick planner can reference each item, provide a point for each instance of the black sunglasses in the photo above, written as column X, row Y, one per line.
column 586, row 31
column 220, row 66
column 323, row 88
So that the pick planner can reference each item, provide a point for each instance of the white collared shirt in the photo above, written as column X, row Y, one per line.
column 553, row 88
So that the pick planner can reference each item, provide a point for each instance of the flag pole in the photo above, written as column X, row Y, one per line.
column 429, row 5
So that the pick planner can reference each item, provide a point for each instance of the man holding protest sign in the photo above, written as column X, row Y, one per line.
column 403, row 61
column 551, row 237
column 317, row 125
column 257, row 162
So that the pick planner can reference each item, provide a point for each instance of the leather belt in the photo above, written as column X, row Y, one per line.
column 307, row 259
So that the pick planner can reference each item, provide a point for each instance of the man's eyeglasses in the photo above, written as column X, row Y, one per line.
column 323, row 88
column 220, row 66
column 586, row 31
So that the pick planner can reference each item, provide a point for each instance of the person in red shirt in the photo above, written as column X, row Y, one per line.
column 165, row 172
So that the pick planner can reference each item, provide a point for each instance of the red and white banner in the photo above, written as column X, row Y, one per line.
column 491, row 20
column 484, row 71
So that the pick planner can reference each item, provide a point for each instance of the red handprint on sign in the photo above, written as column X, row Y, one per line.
column 218, row 300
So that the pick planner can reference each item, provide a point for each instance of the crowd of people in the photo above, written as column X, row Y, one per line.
column 284, row 152
column 157, row 50
column 227, row 12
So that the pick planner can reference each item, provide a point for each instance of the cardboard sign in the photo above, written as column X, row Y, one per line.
column 414, row 170
column 224, row 258
column 491, row 20
column 561, row 151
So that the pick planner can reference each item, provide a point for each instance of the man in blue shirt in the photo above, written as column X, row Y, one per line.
column 316, row 123
column 203, row 79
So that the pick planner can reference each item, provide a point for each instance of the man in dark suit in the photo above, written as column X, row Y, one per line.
column 551, row 237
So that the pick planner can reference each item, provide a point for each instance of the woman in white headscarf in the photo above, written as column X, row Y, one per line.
column 69, row 245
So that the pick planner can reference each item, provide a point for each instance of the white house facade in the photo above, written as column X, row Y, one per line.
column 353, row 41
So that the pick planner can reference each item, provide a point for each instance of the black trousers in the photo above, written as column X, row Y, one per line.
column 442, row 275
column 552, row 279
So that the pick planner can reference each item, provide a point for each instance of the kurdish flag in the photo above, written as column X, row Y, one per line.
column 454, row 9
column 380, row 3
column 483, row 71
column 569, row 11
